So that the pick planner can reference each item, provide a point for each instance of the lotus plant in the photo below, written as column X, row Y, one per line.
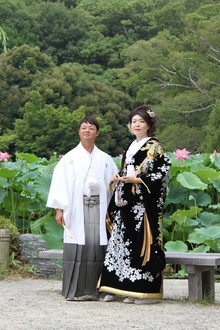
column 181, row 154
column 4, row 156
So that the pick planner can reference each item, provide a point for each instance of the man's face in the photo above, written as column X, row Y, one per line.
column 88, row 132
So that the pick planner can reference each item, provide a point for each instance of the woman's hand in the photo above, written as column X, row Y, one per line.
column 130, row 179
column 59, row 217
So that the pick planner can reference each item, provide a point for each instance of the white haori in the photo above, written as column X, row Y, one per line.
column 67, row 189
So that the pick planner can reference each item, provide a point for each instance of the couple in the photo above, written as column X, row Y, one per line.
column 86, row 186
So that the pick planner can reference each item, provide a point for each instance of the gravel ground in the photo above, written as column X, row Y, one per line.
column 38, row 304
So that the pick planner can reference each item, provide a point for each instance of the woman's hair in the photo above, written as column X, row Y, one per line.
column 91, row 121
column 148, row 115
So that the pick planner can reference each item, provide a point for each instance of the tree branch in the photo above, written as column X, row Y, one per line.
column 193, row 110
column 195, row 84
column 165, row 84
column 167, row 70
column 206, row 42
column 215, row 58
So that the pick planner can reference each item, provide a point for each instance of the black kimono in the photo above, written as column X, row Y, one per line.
column 136, row 212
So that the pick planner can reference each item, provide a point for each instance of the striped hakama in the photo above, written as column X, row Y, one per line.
column 83, row 263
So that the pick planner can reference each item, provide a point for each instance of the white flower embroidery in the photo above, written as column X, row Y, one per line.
column 118, row 252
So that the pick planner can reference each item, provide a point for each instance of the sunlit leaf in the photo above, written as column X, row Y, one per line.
column 181, row 215
column 215, row 206
column 201, row 249
column 207, row 175
column 176, row 246
column 208, row 218
column 117, row 161
column 201, row 235
column 29, row 158
column 37, row 224
column 54, row 235
column 7, row 173
column 190, row 181
column 42, row 185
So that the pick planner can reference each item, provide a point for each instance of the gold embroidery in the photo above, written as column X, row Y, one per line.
column 153, row 148
column 131, row 293
column 112, row 186
column 109, row 224
column 146, row 186
column 147, row 241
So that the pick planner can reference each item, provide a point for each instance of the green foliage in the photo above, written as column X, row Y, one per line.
column 193, row 192
column 133, row 19
column 180, row 77
column 17, row 72
column 5, row 223
column 7, row 141
column 177, row 246
column 101, row 58
column 191, row 181
column 191, row 217
column 19, row 198
column 65, row 95
column 212, row 132
column 42, row 120
column 107, row 57
column 50, row 231
column 209, row 236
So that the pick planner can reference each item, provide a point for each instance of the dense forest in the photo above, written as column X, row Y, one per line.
column 61, row 60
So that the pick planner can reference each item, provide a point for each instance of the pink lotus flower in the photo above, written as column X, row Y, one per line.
column 181, row 154
column 4, row 156
column 215, row 153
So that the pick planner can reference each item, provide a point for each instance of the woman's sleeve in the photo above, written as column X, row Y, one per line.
column 155, row 172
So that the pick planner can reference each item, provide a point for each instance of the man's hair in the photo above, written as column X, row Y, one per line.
column 91, row 121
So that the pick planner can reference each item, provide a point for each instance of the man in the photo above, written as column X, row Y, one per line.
column 80, row 194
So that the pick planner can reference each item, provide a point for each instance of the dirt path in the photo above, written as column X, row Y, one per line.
column 38, row 304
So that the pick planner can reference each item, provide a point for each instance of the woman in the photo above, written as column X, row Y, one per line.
column 136, row 209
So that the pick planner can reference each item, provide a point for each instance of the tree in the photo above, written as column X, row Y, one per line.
column 179, row 77
column 133, row 19
column 61, row 30
column 44, row 129
column 18, row 69
column 109, row 56
column 181, row 136
column 212, row 137
column 72, row 87
column 16, row 17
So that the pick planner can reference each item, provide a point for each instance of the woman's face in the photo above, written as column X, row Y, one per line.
column 139, row 127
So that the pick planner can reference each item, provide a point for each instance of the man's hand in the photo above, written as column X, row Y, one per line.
column 59, row 217
column 116, row 177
